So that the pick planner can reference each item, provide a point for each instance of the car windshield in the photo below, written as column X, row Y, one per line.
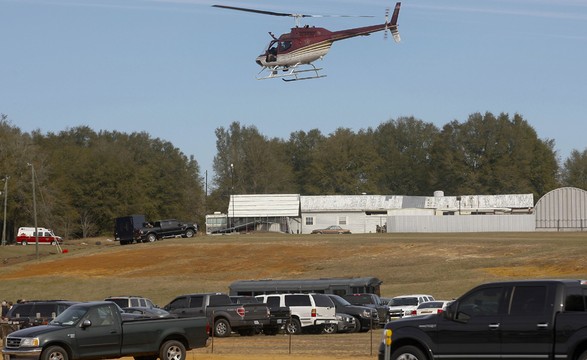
column 403, row 301
column 70, row 317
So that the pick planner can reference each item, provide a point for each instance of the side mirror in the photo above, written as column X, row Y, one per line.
column 86, row 323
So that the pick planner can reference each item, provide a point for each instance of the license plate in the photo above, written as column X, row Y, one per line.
column 256, row 322
column 279, row 321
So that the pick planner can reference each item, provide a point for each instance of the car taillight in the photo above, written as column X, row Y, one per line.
column 414, row 312
column 313, row 312
column 439, row 311
column 241, row 311
column 208, row 329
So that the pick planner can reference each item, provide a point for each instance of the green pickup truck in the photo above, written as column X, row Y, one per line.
column 97, row 330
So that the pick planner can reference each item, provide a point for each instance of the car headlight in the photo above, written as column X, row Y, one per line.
column 29, row 342
column 366, row 314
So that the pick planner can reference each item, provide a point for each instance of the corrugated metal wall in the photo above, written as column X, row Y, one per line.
column 563, row 209
column 468, row 223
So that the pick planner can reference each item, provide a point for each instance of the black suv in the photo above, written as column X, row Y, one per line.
column 36, row 312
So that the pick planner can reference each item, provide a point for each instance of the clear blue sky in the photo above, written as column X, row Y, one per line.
column 179, row 69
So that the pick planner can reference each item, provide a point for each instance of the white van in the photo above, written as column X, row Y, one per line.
column 308, row 311
column 26, row 235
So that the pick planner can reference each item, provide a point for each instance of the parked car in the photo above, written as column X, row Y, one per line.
column 332, row 229
column 27, row 235
column 402, row 306
column 431, row 307
column 224, row 316
column 370, row 300
column 148, row 312
column 309, row 312
column 36, row 312
column 346, row 323
column 365, row 317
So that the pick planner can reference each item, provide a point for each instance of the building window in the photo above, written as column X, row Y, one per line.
column 342, row 220
column 309, row 220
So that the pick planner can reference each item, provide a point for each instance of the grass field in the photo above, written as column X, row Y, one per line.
column 444, row 265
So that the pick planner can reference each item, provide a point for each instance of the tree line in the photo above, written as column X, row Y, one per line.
column 84, row 179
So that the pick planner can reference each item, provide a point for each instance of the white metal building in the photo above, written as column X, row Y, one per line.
column 563, row 209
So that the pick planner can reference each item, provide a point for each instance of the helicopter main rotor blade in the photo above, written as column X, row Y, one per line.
column 259, row 11
column 265, row 12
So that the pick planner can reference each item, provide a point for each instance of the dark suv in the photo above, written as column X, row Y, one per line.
column 36, row 312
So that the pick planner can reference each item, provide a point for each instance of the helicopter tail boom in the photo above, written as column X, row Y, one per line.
column 392, row 25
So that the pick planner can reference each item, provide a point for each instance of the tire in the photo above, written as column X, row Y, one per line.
column 408, row 353
column 293, row 327
column 222, row 328
column 330, row 329
column 54, row 353
column 583, row 356
column 151, row 237
column 189, row 233
column 24, row 243
column 172, row 350
column 358, row 326
column 53, row 242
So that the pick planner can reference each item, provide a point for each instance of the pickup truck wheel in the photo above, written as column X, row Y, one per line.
column 408, row 353
column 151, row 238
column 172, row 350
column 222, row 328
column 189, row 233
column 54, row 353
column 293, row 327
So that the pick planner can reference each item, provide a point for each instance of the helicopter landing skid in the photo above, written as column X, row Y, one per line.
column 292, row 73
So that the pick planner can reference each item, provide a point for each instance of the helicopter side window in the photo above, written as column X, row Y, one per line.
column 284, row 45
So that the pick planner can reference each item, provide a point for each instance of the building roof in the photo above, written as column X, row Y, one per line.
column 264, row 205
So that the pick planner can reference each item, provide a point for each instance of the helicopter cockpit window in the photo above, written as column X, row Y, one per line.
column 284, row 45
column 272, row 48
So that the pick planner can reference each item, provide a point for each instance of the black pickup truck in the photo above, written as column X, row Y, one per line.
column 533, row 319
column 161, row 229
column 96, row 330
column 278, row 316
column 245, row 319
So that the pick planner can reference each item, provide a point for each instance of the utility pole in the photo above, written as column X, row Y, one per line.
column 35, row 211
column 5, row 200
column 232, row 192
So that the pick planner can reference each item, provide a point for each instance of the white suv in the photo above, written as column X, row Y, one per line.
column 402, row 306
column 308, row 311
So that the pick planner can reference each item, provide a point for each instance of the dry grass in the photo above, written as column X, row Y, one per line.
column 444, row 265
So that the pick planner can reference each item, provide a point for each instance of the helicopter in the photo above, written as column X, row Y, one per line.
column 290, row 56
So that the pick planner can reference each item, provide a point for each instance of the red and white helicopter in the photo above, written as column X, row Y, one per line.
column 290, row 55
